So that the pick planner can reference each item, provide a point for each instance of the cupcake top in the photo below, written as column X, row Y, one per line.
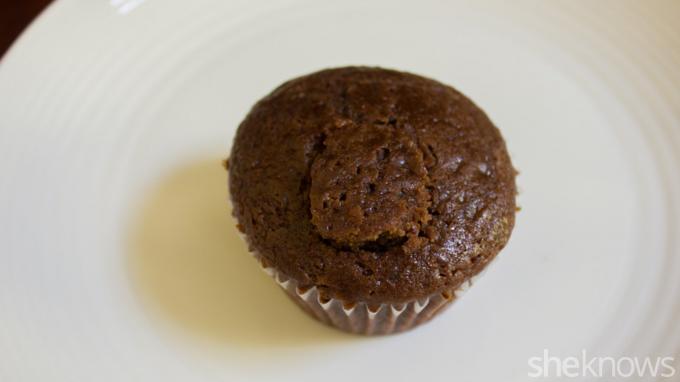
column 373, row 185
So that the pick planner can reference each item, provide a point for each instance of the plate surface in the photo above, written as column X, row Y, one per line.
column 118, row 256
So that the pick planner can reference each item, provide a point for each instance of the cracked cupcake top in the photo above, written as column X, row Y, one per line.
column 372, row 185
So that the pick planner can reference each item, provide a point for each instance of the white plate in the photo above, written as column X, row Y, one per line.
column 119, row 260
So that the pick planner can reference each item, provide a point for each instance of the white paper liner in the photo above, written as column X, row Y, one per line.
column 360, row 318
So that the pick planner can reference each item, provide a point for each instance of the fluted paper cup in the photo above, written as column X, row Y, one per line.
column 361, row 317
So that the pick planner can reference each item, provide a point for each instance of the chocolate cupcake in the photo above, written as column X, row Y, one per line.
column 372, row 196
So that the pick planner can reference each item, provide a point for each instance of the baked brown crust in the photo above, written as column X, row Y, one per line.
column 372, row 185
